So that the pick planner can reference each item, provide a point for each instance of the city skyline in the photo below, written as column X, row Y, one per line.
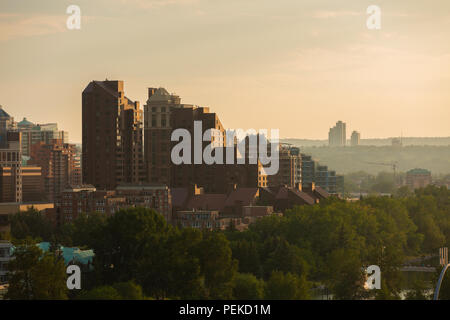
column 315, row 60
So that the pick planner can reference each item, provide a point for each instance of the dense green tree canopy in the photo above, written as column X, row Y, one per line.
column 36, row 275
column 278, row 257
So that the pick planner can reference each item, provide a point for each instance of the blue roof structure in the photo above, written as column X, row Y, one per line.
column 71, row 254
column 25, row 123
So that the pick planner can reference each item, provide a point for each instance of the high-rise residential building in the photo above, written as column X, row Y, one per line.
column 290, row 166
column 6, row 124
column 201, row 174
column 355, row 139
column 112, row 151
column 319, row 175
column 332, row 187
column 32, row 184
column 217, row 177
column 157, row 132
column 321, row 178
column 308, row 170
column 77, row 178
column 337, row 135
column 57, row 160
column 11, row 167
column 34, row 133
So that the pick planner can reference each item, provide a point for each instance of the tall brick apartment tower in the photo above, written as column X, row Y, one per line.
column 157, row 132
column 188, row 174
column 57, row 160
column 112, row 136
column 11, row 168
column 164, row 113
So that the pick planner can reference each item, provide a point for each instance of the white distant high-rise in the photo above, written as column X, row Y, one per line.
column 338, row 135
column 356, row 138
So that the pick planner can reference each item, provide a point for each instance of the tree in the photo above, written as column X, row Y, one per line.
column 286, row 258
column 126, row 238
column 287, row 286
column 30, row 223
column 248, row 287
column 85, row 228
column 418, row 292
column 345, row 275
column 172, row 270
column 403, row 192
column 384, row 183
column 247, row 253
column 36, row 275
column 384, row 293
column 101, row 293
column 129, row 290
column 216, row 264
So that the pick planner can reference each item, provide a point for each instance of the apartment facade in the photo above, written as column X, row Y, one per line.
column 11, row 168
column 76, row 200
column 290, row 168
column 6, row 124
column 308, row 170
column 35, row 133
column 355, row 139
column 112, row 151
column 57, row 163
column 157, row 132
column 337, row 135
column 152, row 196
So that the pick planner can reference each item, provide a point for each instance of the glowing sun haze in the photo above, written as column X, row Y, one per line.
column 294, row 65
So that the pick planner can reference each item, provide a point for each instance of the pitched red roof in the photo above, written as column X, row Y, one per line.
column 207, row 201
column 246, row 195
column 282, row 193
column 321, row 192
column 304, row 196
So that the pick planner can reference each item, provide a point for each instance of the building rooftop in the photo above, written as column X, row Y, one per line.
column 141, row 186
column 25, row 123
column 242, row 195
column 71, row 254
column 207, row 201
column 160, row 94
column 78, row 188
column 418, row 171
column 3, row 113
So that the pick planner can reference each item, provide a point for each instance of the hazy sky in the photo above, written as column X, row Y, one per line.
column 296, row 65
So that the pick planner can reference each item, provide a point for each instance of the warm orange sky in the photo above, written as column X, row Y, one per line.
column 296, row 65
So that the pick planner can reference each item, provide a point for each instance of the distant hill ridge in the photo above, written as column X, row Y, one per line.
column 406, row 141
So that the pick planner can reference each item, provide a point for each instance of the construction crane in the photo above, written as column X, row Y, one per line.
column 393, row 165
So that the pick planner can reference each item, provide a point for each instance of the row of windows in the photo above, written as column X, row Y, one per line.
column 9, row 156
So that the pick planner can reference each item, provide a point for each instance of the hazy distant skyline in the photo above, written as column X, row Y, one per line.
column 296, row 65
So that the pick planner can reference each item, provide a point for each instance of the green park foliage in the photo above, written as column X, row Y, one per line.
column 139, row 256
